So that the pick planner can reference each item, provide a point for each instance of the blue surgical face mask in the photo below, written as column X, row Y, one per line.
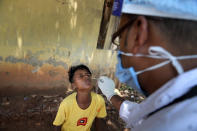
column 129, row 76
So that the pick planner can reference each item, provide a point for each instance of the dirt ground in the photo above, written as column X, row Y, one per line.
column 36, row 112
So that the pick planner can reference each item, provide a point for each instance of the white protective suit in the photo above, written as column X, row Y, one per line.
column 181, row 116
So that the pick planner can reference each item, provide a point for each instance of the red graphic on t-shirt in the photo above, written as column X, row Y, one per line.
column 82, row 121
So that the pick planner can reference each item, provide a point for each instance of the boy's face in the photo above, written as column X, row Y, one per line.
column 82, row 80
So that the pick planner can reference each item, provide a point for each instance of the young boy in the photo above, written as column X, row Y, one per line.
column 78, row 111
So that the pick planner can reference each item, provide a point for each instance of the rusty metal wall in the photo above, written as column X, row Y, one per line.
column 41, row 39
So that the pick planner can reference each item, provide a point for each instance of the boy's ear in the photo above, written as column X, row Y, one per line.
column 140, row 27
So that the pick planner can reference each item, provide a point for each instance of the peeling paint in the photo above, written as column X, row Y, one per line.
column 36, row 69
column 56, row 63
column 11, row 59
column 53, row 73
column 35, row 62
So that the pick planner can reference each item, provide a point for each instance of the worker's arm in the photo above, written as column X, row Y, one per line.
column 107, row 87
column 124, row 107
column 116, row 101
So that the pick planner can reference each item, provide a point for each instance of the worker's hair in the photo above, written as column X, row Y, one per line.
column 73, row 69
column 181, row 33
column 177, row 32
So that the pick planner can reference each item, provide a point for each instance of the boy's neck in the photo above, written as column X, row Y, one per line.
column 83, row 99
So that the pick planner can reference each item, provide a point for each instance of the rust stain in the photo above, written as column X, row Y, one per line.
column 20, row 75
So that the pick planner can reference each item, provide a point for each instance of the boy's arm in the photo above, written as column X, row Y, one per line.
column 60, row 117
column 57, row 128
column 100, row 124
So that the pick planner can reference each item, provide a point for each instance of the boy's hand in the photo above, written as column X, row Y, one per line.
column 107, row 86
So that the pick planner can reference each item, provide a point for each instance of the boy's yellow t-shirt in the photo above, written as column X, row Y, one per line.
column 73, row 118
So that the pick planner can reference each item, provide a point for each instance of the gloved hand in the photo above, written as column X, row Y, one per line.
column 107, row 86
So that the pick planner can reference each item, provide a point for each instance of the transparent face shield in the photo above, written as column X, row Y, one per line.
column 154, row 52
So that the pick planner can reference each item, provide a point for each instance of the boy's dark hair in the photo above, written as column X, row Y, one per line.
column 73, row 69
